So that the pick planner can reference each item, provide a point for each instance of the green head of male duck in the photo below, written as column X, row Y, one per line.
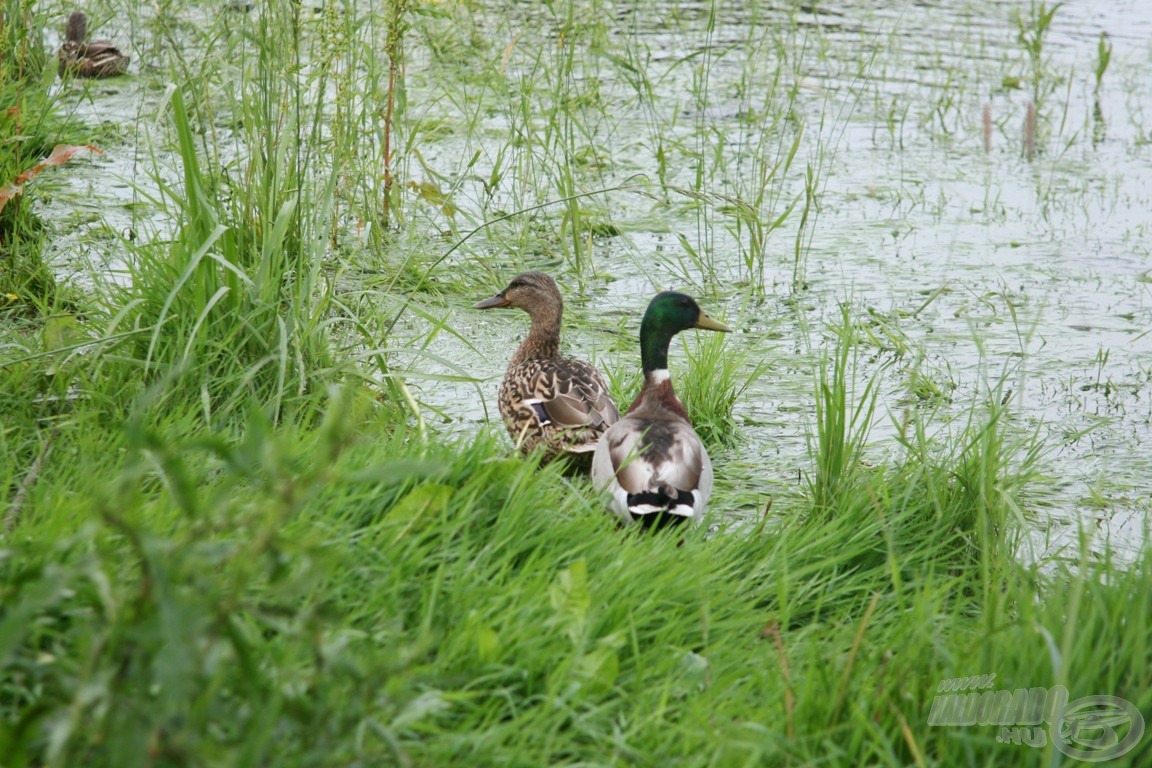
column 668, row 314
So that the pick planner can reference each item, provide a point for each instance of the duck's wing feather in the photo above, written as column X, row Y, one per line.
column 96, row 58
column 550, row 397
column 577, row 396
column 655, row 469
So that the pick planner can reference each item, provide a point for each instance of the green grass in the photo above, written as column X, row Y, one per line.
column 340, row 594
column 29, row 127
column 237, row 531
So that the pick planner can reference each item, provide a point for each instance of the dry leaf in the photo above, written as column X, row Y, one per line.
column 60, row 154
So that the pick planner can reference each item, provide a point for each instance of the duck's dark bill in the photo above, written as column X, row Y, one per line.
column 496, row 301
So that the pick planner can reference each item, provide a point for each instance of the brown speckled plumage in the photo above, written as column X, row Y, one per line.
column 549, row 401
column 81, row 57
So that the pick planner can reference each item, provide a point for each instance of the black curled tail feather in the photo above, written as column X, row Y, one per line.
column 661, row 499
column 660, row 520
column 654, row 508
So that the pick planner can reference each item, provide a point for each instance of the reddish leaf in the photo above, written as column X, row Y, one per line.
column 7, row 193
column 61, row 154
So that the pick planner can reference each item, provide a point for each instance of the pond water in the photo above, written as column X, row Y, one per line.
column 964, row 263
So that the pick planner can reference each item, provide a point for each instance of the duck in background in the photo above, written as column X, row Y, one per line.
column 549, row 401
column 81, row 57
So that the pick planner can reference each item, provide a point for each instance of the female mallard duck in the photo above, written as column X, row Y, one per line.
column 81, row 57
column 651, row 461
column 553, row 402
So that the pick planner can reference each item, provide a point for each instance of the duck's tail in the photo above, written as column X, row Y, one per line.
column 663, row 507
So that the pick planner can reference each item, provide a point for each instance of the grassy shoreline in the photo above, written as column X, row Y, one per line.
column 347, row 594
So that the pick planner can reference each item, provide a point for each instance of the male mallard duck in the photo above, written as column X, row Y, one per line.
column 547, row 400
column 81, row 57
column 652, row 461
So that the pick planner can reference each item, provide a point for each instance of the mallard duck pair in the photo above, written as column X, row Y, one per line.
column 81, row 57
column 651, row 462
